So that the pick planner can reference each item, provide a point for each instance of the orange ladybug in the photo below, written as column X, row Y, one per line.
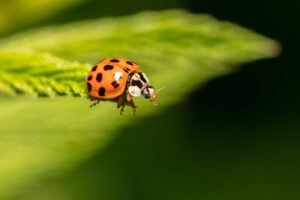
column 118, row 79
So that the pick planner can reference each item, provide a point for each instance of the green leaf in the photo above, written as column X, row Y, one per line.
column 176, row 49
column 164, row 43
column 40, row 74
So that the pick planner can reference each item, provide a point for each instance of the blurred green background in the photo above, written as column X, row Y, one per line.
column 237, row 138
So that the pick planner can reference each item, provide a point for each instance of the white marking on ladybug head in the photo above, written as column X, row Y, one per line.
column 135, row 76
column 144, row 75
column 118, row 75
column 134, row 91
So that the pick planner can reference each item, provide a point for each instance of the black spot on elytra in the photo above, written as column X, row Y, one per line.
column 99, row 77
column 137, row 83
column 129, row 63
column 101, row 91
column 94, row 68
column 90, row 78
column 115, row 84
column 108, row 67
column 142, row 77
column 89, row 87
column 126, row 69
column 114, row 60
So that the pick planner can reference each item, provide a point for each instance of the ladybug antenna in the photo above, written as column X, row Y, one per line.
column 160, row 89
column 157, row 91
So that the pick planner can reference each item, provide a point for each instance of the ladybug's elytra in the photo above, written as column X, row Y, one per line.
column 118, row 79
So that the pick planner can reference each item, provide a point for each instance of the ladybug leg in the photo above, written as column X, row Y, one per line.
column 95, row 103
column 126, row 98
column 121, row 103
column 133, row 108
column 130, row 102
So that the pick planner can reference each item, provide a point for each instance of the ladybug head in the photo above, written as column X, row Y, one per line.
column 149, row 93
column 139, row 85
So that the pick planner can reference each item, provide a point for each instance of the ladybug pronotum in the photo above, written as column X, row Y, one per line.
column 118, row 79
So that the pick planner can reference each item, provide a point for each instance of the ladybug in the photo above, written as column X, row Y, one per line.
column 118, row 80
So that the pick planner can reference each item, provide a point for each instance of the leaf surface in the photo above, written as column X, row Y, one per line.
column 43, row 136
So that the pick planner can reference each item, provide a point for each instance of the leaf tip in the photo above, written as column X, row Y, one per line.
column 274, row 49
